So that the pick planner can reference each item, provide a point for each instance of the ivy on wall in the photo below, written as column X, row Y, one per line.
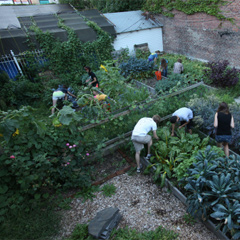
column 165, row 7
column 66, row 57
column 107, row 5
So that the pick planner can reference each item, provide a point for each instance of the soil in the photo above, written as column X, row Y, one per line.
column 142, row 204
column 108, row 165
column 151, row 82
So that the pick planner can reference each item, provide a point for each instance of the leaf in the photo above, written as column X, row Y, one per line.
column 3, row 189
column 37, row 196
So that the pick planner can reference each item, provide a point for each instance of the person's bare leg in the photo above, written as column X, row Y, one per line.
column 226, row 149
column 137, row 157
column 54, row 106
column 149, row 146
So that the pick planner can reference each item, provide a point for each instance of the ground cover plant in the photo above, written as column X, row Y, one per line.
column 81, row 233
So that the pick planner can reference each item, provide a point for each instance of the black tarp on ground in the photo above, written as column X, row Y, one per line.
column 16, row 38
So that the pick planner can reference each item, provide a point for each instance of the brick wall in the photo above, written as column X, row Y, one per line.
column 204, row 37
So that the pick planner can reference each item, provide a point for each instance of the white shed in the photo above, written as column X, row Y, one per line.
column 133, row 28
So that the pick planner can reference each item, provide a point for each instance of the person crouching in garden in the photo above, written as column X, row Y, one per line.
column 154, row 56
column 93, row 81
column 178, row 67
column 60, row 93
column 140, row 136
column 185, row 116
column 223, row 122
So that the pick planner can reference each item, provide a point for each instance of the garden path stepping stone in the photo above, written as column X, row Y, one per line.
column 104, row 222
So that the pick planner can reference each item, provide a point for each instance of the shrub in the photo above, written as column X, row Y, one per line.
column 220, row 74
column 6, row 90
column 142, row 54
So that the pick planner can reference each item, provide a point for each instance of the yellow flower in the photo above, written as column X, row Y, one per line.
column 16, row 133
column 103, row 68
column 58, row 125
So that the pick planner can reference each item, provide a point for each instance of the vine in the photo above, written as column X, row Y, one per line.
column 189, row 7
column 67, row 57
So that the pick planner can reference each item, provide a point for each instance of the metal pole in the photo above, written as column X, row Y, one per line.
column 16, row 62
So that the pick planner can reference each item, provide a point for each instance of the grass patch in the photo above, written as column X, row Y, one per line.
column 108, row 190
column 81, row 233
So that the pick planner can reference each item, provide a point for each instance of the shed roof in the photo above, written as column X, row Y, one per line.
column 131, row 21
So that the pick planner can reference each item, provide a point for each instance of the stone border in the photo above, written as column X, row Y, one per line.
column 208, row 224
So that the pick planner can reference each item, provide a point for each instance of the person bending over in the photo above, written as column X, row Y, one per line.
column 60, row 93
column 184, row 116
column 93, row 81
column 140, row 136
column 178, row 67
column 154, row 56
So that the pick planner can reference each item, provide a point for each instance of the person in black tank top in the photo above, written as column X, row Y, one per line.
column 93, row 81
column 223, row 122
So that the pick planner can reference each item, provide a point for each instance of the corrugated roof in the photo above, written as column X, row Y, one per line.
column 130, row 21
column 9, row 14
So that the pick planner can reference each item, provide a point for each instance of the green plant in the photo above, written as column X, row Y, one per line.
column 189, row 219
column 87, row 192
column 165, row 7
column 228, row 216
column 213, row 191
column 80, row 232
column 132, row 234
column 92, row 53
column 142, row 54
column 108, row 190
column 220, row 74
column 40, row 222
column 136, row 68
column 172, row 151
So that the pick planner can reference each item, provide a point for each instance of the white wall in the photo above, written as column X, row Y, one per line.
column 151, row 36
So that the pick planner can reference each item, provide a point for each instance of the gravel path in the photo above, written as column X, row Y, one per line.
column 143, row 206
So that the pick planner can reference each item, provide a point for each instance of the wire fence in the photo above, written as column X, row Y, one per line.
column 22, row 64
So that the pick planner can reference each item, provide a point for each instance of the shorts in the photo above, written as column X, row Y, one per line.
column 58, row 95
column 189, row 125
column 223, row 138
column 97, row 85
column 139, row 141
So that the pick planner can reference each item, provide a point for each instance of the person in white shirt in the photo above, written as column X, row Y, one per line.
column 178, row 67
column 185, row 116
column 140, row 136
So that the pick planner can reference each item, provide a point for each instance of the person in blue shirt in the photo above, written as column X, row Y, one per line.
column 153, row 56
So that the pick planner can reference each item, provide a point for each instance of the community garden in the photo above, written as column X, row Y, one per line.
column 45, row 160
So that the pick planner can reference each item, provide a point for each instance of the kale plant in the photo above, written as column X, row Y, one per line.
column 220, row 74
column 214, row 191
column 136, row 68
